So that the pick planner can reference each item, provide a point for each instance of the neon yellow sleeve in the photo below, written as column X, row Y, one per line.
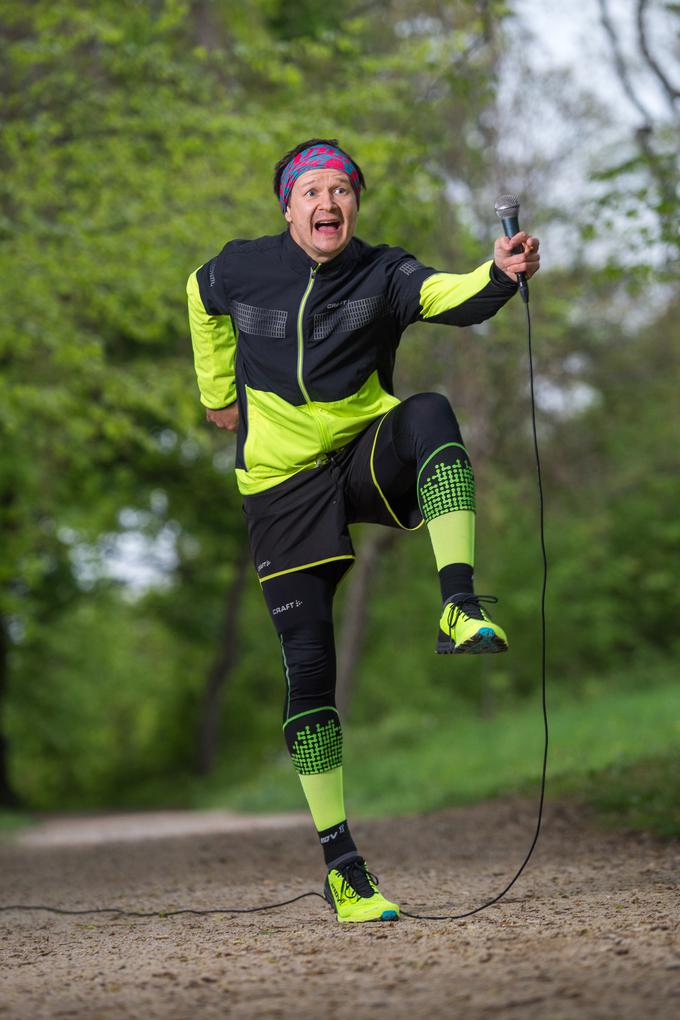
column 214, row 341
column 443, row 291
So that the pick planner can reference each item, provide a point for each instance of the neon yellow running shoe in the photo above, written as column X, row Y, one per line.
column 465, row 627
column 352, row 891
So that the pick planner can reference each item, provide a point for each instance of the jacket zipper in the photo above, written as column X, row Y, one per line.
column 325, row 439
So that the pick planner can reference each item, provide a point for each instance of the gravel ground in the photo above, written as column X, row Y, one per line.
column 590, row 930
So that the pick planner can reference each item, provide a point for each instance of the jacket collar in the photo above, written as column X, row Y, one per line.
column 298, row 259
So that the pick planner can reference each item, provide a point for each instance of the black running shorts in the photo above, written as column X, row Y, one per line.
column 304, row 521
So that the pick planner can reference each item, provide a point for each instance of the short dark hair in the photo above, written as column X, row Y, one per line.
column 285, row 160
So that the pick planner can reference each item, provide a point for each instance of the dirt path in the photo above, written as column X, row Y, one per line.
column 590, row 931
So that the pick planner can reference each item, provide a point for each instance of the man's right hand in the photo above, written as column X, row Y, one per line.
column 225, row 418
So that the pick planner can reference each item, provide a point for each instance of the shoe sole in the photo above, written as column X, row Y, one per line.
column 485, row 641
column 387, row 915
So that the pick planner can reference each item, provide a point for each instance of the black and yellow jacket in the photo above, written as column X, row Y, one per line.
column 308, row 349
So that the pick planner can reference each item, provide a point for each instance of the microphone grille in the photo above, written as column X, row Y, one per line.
column 507, row 205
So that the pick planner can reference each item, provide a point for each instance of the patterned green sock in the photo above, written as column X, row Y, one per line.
column 314, row 742
column 446, row 496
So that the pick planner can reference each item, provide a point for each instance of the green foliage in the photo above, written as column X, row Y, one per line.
column 633, row 794
column 106, row 708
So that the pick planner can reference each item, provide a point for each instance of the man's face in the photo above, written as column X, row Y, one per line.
column 322, row 213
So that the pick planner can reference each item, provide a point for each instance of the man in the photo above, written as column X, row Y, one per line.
column 294, row 340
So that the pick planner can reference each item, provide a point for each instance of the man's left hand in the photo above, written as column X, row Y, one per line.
column 527, row 262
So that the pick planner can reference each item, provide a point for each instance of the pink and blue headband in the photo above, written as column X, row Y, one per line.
column 323, row 157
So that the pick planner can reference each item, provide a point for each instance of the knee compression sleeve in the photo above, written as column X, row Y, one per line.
column 301, row 605
column 308, row 654
column 421, row 424
column 424, row 443
column 427, row 432
column 311, row 725
column 313, row 732
column 424, row 435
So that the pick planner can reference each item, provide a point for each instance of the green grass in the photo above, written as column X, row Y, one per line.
column 618, row 751
column 643, row 795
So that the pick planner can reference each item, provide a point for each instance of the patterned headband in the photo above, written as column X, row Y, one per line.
column 316, row 157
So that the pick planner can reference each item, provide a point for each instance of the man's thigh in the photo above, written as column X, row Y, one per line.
column 379, row 487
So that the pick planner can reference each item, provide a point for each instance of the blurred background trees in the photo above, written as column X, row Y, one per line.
column 135, row 651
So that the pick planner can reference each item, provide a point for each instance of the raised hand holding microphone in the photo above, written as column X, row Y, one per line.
column 516, row 254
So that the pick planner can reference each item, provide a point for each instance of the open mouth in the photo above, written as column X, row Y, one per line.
column 327, row 227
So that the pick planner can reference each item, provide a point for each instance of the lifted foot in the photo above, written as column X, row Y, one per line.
column 465, row 627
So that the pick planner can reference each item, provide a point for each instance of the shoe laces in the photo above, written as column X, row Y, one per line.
column 356, row 879
column 465, row 604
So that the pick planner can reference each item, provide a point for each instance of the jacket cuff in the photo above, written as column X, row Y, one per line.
column 501, row 278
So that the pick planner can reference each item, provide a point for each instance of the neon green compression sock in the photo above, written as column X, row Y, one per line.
column 314, row 740
column 325, row 797
column 453, row 538
column 446, row 495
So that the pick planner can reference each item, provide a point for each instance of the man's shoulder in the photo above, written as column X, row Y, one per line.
column 253, row 245
column 387, row 254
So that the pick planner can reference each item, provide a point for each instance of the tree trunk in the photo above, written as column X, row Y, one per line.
column 221, row 669
column 8, row 797
column 204, row 30
column 359, row 585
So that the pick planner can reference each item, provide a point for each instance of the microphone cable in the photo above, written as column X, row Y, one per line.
column 403, row 913
column 544, row 587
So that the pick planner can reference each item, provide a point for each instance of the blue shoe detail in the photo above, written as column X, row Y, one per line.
column 485, row 642
column 389, row 915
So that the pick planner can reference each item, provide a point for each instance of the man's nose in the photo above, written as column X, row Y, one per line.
column 328, row 197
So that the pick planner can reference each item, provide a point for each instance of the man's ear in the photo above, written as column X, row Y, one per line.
column 287, row 214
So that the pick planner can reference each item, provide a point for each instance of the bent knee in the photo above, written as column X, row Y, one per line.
column 422, row 403
column 426, row 409
column 423, row 421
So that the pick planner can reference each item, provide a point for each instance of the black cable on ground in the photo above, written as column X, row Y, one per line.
column 404, row 913
column 166, row 913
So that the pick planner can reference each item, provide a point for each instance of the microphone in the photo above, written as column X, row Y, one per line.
column 507, row 210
